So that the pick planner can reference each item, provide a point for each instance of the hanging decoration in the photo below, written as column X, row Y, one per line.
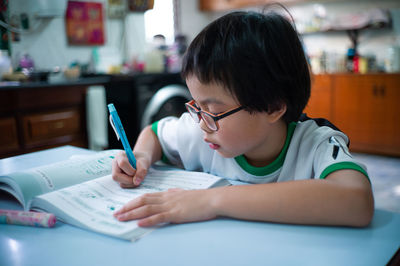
column 85, row 23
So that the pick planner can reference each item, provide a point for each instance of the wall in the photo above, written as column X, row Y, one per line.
column 192, row 19
column 48, row 46
column 126, row 38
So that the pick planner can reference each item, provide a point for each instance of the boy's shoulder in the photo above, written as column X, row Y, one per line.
column 315, row 151
column 311, row 132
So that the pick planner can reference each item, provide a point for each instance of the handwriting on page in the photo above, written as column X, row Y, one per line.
column 73, row 171
column 163, row 180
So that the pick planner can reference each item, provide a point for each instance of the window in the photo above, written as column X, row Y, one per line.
column 160, row 20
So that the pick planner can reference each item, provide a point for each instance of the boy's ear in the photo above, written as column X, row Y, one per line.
column 276, row 115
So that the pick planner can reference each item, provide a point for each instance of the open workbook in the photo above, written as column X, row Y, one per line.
column 81, row 192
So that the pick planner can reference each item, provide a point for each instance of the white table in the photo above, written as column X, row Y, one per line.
column 217, row 242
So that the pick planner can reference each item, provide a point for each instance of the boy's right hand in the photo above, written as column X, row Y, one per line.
column 125, row 174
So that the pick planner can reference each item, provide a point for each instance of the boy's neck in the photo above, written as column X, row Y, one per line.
column 272, row 148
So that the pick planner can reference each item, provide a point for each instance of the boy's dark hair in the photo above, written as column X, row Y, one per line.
column 256, row 57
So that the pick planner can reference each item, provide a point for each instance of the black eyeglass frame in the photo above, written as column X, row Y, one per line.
column 189, row 106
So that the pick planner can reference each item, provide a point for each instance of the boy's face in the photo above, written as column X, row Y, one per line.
column 240, row 133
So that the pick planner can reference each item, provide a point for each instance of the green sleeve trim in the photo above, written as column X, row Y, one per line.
column 154, row 127
column 341, row 166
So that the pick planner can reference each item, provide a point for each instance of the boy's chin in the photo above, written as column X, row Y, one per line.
column 226, row 154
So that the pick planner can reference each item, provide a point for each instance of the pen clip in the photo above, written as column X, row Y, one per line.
column 113, row 126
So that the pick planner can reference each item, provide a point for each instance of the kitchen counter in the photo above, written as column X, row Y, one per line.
column 82, row 81
column 85, row 81
column 40, row 115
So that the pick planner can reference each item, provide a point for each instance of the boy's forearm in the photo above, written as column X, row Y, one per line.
column 148, row 143
column 300, row 202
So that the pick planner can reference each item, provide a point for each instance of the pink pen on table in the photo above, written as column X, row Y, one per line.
column 38, row 219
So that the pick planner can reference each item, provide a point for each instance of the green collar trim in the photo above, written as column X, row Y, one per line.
column 275, row 165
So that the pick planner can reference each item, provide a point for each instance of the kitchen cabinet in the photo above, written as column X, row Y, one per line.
column 8, row 136
column 365, row 107
column 319, row 104
column 36, row 118
column 220, row 5
column 64, row 125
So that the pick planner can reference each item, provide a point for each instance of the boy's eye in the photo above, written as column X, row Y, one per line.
column 209, row 111
column 213, row 113
column 218, row 113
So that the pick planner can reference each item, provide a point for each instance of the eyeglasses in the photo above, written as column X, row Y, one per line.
column 209, row 119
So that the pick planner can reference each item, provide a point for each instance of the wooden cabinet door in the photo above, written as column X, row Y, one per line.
column 8, row 135
column 52, row 127
column 388, row 90
column 366, row 109
column 319, row 105
column 34, row 118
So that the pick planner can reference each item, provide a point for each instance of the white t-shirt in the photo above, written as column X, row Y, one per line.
column 310, row 151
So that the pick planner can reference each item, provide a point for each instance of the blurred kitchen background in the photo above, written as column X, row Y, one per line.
column 62, row 61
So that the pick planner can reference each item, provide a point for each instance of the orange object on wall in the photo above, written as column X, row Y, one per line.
column 140, row 5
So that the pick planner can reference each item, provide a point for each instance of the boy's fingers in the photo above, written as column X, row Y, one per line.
column 126, row 185
column 124, row 181
column 125, row 174
column 146, row 199
column 154, row 220
column 141, row 212
column 125, row 166
column 140, row 175
column 119, row 176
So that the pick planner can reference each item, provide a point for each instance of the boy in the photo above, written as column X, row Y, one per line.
column 250, row 82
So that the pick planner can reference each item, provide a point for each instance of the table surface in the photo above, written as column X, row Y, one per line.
column 218, row 242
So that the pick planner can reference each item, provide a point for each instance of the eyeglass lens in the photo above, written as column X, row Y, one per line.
column 208, row 120
column 193, row 113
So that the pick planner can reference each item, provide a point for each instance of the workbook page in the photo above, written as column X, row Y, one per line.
column 47, row 178
column 91, row 204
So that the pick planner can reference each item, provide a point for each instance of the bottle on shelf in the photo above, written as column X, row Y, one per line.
column 350, row 59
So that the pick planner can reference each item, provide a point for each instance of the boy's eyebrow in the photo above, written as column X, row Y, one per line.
column 210, row 101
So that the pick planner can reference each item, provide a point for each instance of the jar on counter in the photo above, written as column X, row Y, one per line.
column 392, row 62
column 26, row 62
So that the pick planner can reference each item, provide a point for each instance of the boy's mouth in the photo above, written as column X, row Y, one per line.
column 212, row 145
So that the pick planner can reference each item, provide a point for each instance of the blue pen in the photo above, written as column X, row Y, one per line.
column 120, row 132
